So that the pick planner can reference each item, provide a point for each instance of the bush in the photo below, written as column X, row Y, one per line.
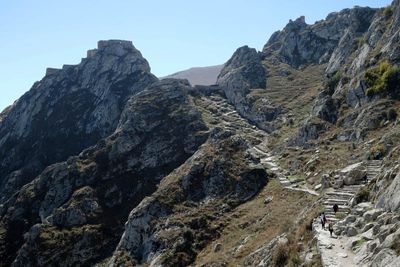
column 358, row 42
column 377, row 152
column 334, row 81
column 280, row 255
column 362, row 195
column 388, row 11
column 383, row 79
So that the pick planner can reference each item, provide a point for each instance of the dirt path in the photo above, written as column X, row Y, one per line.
column 333, row 249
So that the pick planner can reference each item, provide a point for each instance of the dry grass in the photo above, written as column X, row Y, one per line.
column 255, row 222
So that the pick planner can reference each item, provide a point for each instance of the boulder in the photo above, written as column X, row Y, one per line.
column 367, row 227
column 217, row 247
column 351, row 231
column 353, row 174
column 318, row 187
column 371, row 215
column 392, row 240
column 338, row 183
column 386, row 257
column 350, row 219
column 325, row 181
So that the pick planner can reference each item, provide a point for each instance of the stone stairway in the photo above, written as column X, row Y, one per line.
column 341, row 197
column 373, row 168
column 270, row 162
column 225, row 115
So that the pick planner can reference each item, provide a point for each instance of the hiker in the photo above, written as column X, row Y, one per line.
column 330, row 227
column 323, row 220
column 335, row 208
column 365, row 178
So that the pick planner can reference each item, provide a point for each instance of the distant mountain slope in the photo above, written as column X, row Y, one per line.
column 199, row 75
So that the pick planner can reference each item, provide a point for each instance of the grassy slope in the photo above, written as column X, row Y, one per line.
column 256, row 221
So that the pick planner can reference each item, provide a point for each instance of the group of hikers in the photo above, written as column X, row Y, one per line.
column 324, row 221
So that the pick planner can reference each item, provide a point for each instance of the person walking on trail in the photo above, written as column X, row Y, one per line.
column 323, row 220
column 330, row 228
column 335, row 208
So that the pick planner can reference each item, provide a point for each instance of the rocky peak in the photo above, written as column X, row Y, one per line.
column 299, row 43
column 297, row 24
column 68, row 110
column 246, row 63
column 93, row 193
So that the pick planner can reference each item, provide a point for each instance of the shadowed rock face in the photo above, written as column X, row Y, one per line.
column 67, row 111
column 74, row 211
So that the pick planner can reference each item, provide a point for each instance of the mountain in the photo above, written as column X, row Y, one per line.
column 199, row 75
column 104, row 164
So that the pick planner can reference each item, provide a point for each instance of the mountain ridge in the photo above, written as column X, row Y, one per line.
column 104, row 164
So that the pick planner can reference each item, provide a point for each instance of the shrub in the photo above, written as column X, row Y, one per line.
column 357, row 42
column 362, row 195
column 383, row 79
column 280, row 255
column 377, row 152
column 334, row 81
column 388, row 11
column 295, row 260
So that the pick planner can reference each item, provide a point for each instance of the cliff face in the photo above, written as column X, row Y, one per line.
column 244, row 71
column 77, row 208
column 68, row 110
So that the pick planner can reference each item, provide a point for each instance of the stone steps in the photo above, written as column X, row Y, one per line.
column 262, row 149
column 336, row 201
column 374, row 167
column 340, row 195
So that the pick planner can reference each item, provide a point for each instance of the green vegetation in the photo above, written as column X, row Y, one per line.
column 377, row 151
column 358, row 42
column 359, row 243
column 362, row 195
column 388, row 11
column 383, row 79
column 334, row 81
column 340, row 215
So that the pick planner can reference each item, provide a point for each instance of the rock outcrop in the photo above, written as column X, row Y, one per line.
column 390, row 198
column 244, row 71
column 88, row 197
column 208, row 185
column 299, row 43
column 67, row 111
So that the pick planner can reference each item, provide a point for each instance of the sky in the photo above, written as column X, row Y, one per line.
column 172, row 35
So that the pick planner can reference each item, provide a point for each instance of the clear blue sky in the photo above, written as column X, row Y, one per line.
column 172, row 34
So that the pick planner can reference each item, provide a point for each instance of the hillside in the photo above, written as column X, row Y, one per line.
column 104, row 164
